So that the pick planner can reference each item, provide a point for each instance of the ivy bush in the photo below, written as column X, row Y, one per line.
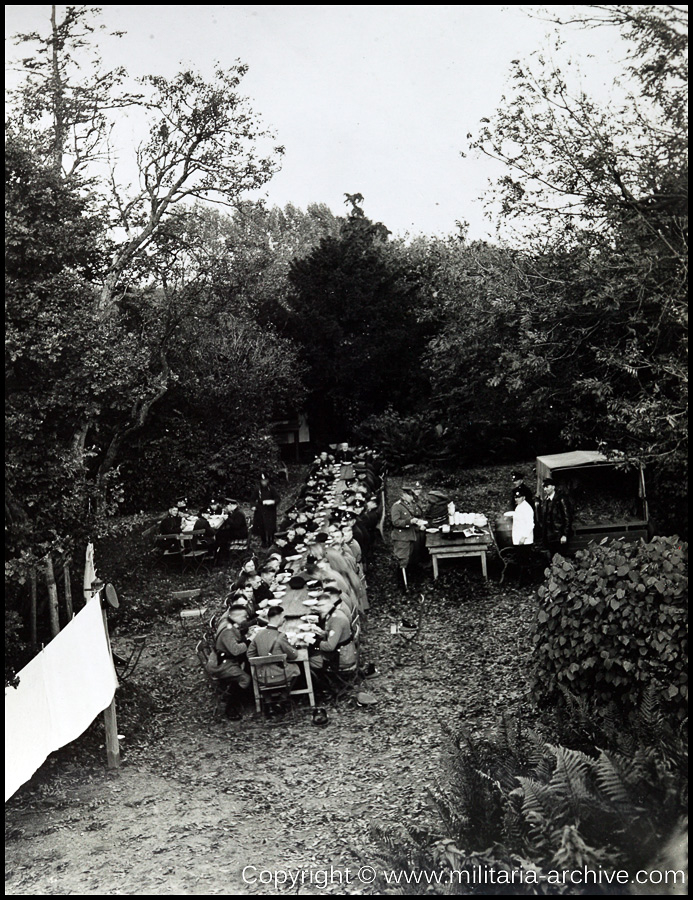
column 612, row 621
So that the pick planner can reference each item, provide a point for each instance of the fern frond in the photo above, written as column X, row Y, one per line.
column 570, row 776
column 537, row 803
column 611, row 781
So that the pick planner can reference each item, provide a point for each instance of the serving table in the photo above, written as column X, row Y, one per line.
column 455, row 544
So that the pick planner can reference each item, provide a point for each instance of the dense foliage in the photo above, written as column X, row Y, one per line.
column 352, row 309
column 613, row 621
column 601, row 194
column 521, row 811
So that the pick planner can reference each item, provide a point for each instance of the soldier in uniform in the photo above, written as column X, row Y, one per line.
column 408, row 537
column 269, row 641
column 336, row 650
column 518, row 480
column 171, row 523
column 265, row 516
column 556, row 520
column 228, row 665
column 234, row 527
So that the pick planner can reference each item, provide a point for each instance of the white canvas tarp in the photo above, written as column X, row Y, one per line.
column 61, row 691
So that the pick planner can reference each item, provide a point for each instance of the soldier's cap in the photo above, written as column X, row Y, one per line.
column 518, row 494
column 411, row 486
column 296, row 583
column 238, row 607
column 231, row 500
column 547, row 481
column 275, row 611
column 516, row 476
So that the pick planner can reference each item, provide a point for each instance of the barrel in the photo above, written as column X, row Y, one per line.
column 504, row 531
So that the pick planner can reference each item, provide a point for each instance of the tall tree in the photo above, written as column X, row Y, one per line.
column 353, row 313
column 202, row 144
column 604, row 296
column 66, row 87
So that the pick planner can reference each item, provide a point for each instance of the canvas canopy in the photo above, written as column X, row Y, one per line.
column 547, row 465
column 577, row 459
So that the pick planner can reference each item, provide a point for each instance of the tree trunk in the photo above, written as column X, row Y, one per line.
column 53, row 609
column 58, row 103
column 138, row 419
column 33, row 636
column 68, row 590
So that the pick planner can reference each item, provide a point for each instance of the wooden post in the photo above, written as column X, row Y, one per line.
column 110, row 719
column 53, row 612
column 32, row 607
column 68, row 589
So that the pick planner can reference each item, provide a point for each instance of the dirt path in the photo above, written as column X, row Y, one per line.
column 208, row 807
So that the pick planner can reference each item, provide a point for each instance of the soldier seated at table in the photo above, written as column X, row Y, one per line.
column 248, row 568
column 261, row 587
column 343, row 453
column 234, row 528
column 228, row 663
column 206, row 539
column 335, row 651
column 171, row 523
column 246, row 595
column 269, row 641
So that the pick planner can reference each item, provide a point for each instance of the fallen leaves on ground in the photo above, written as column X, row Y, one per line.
column 199, row 798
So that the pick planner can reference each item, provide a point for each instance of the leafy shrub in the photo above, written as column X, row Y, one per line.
column 404, row 440
column 614, row 620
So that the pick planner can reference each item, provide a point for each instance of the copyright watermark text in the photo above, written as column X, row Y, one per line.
column 281, row 879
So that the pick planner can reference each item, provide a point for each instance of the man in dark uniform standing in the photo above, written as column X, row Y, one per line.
column 408, row 537
column 265, row 516
column 556, row 520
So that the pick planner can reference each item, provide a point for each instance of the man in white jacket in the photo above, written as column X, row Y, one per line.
column 523, row 520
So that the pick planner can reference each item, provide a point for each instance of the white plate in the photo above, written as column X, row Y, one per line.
column 292, row 558
column 310, row 602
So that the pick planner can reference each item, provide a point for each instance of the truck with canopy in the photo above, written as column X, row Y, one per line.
column 607, row 496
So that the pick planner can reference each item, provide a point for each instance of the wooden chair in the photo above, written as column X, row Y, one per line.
column 196, row 552
column 264, row 692
column 169, row 548
column 126, row 665
column 408, row 636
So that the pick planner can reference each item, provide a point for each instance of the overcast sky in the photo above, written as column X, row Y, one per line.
column 369, row 99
